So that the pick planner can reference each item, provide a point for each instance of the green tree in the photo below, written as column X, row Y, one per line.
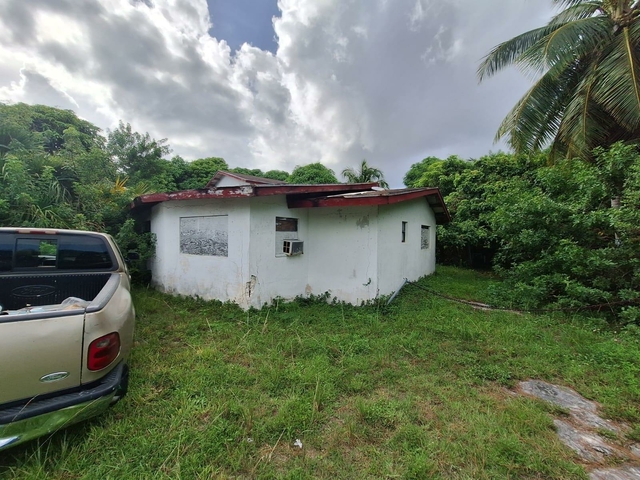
column 589, row 92
column 276, row 175
column 314, row 173
column 256, row 172
column 138, row 156
column 49, row 123
column 468, row 188
column 200, row 171
column 365, row 174
column 412, row 177
column 438, row 173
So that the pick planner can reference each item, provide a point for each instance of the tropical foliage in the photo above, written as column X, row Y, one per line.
column 548, row 230
column 58, row 171
column 313, row 173
column 365, row 174
column 588, row 95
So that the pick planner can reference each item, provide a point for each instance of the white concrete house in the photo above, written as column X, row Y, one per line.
column 251, row 240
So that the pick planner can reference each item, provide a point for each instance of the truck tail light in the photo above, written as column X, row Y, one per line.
column 103, row 351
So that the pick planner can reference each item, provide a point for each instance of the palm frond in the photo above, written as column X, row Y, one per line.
column 507, row 53
column 577, row 12
column 534, row 121
column 571, row 3
column 560, row 49
column 617, row 87
column 585, row 124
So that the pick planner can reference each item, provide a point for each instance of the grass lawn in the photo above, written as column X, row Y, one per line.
column 420, row 389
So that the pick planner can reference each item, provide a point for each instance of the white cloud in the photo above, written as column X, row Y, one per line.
column 392, row 82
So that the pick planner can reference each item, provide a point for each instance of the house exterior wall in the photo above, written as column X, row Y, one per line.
column 342, row 250
column 207, row 276
column 398, row 260
column 355, row 253
column 276, row 276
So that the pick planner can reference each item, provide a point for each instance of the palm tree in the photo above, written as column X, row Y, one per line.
column 366, row 174
column 588, row 94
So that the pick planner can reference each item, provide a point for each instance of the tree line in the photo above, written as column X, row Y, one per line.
column 560, row 235
column 59, row 171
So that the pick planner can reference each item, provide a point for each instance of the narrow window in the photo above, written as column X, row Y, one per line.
column 286, row 229
column 424, row 237
column 404, row 232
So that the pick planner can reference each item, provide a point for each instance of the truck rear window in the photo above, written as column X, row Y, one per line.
column 83, row 253
column 63, row 252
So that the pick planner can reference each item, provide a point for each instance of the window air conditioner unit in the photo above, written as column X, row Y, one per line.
column 293, row 247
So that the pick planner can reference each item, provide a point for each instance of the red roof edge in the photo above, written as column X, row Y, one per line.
column 384, row 197
column 304, row 188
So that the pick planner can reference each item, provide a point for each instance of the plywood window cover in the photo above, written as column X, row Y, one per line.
column 206, row 235
column 425, row 236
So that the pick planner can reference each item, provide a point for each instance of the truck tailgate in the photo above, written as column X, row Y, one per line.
column 40, row 355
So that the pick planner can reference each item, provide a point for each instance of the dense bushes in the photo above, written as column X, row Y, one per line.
column 563, row 235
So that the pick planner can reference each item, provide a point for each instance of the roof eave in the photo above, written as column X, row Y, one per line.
column 432, row 195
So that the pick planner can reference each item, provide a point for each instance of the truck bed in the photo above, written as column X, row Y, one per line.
column 18, row 291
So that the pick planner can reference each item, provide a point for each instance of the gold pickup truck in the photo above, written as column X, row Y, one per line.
column 66, row 329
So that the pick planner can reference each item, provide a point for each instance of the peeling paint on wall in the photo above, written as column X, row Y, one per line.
column 250, row 286
column 354, row 252
column 363, row 221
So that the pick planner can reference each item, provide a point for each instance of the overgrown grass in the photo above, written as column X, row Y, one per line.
column 420, row 389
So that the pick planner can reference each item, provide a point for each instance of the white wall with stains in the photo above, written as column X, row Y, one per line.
column 398, row 260
column 343, row 250
column 354, row 253
column 207, row 276
column 276, row 276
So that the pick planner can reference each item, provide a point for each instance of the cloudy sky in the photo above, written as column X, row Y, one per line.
column 272, row 84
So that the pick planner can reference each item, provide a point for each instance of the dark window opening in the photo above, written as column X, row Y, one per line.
column 286, row 224
column 404, row 232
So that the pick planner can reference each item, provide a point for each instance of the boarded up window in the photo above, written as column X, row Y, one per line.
column 424, row 237
column 205, row 235
column 286, row 229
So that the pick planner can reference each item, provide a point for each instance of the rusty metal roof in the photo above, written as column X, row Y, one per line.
column 309, row 196
column 375, row 197
column 250, row 191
